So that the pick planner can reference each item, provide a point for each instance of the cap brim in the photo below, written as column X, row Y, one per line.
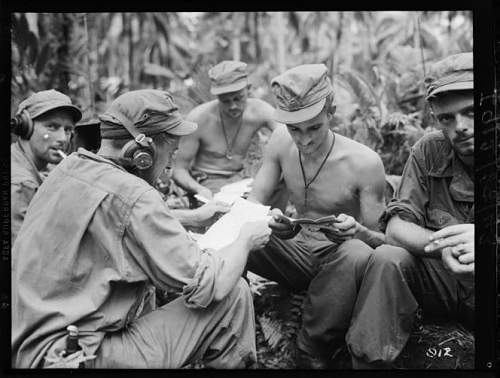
column 77, row 114
column 460, row 86
column 229, row 88
column 301, row 115
column 183, row 128
column 93, row 123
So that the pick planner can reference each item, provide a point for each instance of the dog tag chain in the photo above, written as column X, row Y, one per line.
column 308, row 184
column 229, row 147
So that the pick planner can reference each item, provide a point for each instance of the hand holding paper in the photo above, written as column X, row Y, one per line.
column 227, row 229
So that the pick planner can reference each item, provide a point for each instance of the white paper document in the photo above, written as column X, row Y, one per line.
column 227, row 228
column 230, row 192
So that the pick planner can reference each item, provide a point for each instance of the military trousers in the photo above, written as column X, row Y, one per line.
column 173, row 336
column 365, row 298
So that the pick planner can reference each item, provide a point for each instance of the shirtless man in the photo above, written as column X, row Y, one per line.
column 216, row 150
column 325, row 174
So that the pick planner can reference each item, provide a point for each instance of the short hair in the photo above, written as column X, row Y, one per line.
column 329, row 103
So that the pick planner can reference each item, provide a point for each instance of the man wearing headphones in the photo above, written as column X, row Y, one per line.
column 44, row 123
column 98, row 238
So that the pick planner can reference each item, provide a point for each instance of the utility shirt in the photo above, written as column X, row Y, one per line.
column 435, row 189
column 24, row 182
column 95, row 241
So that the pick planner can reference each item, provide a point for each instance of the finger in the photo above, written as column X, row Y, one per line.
column 279, row 226
column 222, row 208
column 447, row 242
column 457, row 251
column 462, row 248
column 329, row 230
column 466, row 258
column 451, row 230
column 452, row 241
column 454, row 265
column 342, row 217
column 343, row 233
column 345, row 226
column 332, row 236
column 275, row 212
column 222, row 203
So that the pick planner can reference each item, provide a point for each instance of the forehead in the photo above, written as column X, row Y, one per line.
column 232, row 95
column 450, row 102
column 318, row 120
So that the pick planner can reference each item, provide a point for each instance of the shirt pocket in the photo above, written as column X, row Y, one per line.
column 437, row 219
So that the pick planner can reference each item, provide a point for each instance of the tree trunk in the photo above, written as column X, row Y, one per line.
column 256, row 37
column 63, row 53
column 280, row 41
column 236, row 45
column 127, row 25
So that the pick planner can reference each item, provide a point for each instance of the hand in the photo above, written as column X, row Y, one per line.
column 205, row 192
column 459, row 237
column 206, row 212
column 257, row 233
column 281, row 225
column 451, row 262
column 344, row 228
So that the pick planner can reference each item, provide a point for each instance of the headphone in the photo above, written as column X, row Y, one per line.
column 22, row 124
column 140, row 151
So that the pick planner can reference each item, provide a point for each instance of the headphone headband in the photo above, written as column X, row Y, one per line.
column 139, row 137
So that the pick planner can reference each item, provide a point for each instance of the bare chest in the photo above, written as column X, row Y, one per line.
column 333, row 189
column 231, row 137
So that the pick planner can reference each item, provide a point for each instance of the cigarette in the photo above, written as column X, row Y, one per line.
column 62, row 154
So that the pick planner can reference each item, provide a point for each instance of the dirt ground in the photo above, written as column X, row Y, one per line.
column 278, row 316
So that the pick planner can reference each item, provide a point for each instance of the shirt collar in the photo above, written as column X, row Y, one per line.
column 22, row 155
column 447, row 164
column 90, row 155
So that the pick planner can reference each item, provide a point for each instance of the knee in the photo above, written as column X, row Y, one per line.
column 356, row 250
column 241, row 292
column 388, row 255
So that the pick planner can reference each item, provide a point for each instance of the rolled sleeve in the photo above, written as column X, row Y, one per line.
column 199, row 292
column 411, row 196
column 165, row 252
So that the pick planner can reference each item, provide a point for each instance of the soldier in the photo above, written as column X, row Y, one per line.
column 44, row 123
column 216, row 151
column 326, row 174
column 98, row 238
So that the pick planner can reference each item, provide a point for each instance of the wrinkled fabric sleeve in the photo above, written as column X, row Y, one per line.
column 21, row 195
column 411, row 197
column 169, row 257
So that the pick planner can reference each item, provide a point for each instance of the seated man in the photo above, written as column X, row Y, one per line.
column 430, row 220
column 217, row 149
column 97, row 237
column 44, row 123
column 325, row 174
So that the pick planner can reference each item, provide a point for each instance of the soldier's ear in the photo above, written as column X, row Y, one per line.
column 331, row 111
column 431, row 111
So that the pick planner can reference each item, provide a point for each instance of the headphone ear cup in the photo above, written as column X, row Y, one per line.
column 140, row 157
column 22, row 125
